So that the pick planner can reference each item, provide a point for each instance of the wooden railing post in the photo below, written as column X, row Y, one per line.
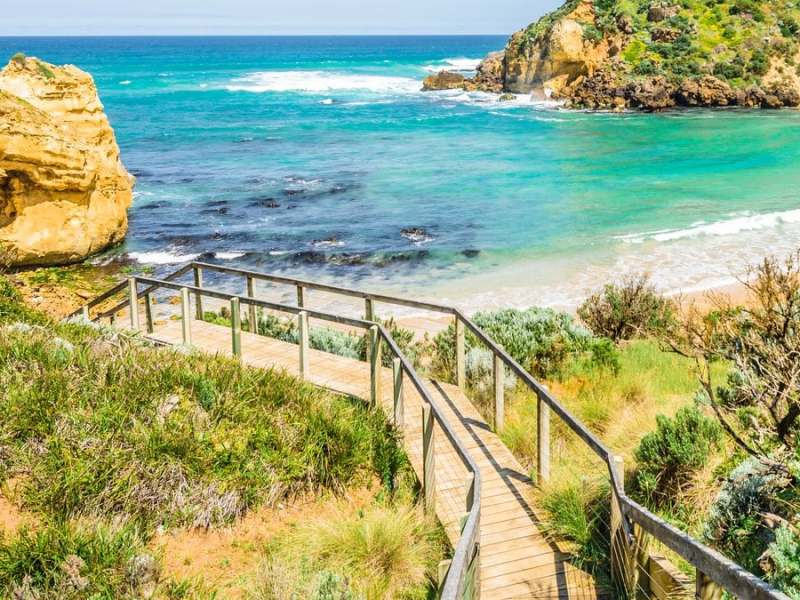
column 623, row 567
column 148, row 313
column 236, row 327
column 428, row 460
column 369, row 309
column 706, row 589
column 186, row 318
column 374, row 365
column 543, row 440
column 302, row 327
column 399, row 409
column 301, row 296
column 499, row 395
column 133, row 300
column 85, row 312
column 252, row 316
column 461, row 358
column 198, row 283
column 472, row 586
column 369, row 315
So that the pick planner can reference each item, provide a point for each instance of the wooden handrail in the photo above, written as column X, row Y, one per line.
column 467, row 549
column 708, row 562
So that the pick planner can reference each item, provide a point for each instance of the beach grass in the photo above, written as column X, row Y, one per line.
column 106, row 441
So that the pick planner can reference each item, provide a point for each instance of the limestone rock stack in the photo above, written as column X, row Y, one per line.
column 64, row 192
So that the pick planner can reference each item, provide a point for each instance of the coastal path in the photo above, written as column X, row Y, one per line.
column 478, row 490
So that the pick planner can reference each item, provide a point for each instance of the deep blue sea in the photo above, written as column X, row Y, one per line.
column 321, row 156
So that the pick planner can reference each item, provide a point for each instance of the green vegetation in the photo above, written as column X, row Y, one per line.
column 19, row 58
column 668, row 457
column 630, row 309
column 106, row 440
column 374, row 554
column 44, row 70
column 735, row 40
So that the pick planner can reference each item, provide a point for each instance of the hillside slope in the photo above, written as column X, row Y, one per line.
column 653, row 54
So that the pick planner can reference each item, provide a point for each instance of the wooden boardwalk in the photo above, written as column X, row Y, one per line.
column 516, row 560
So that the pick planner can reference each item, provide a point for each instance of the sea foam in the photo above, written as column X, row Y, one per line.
column 737, row 223
column 322, row 82
column 459, row 65
column 161, row 258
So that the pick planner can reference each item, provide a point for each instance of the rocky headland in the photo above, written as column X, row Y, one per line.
column 64, row 192
column 650, row 54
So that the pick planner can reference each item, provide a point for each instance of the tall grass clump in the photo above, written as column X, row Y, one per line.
column 383, row 551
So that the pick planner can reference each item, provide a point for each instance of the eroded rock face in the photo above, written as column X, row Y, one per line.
column 612, row 55
column 64, row 193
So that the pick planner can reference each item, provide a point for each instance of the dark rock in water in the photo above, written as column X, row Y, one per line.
column 186, row 180
column 217, row 203
column 293, row 192
column 331, row 242
column 141, row 173
column 314, row 257
column 470, row 252
column 222, row 210
column 417, row 235
column 153, row 205
column 263, row 203
column 401, row 257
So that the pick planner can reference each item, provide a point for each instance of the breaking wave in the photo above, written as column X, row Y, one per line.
column 322, row 82
column 746, row 221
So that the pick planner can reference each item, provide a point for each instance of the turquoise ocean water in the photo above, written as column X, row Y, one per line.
column 320, row 156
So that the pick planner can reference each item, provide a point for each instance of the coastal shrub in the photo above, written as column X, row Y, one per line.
column 758, row 401
column 784, row 556
column 540, row 339
column 632, row 308
column 754, row 494
column 667, row 457
column 759, row 63
column 19, row 58
column 349, row 344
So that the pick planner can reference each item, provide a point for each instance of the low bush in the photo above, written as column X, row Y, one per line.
column 632, row 308
column 667, row 457
column 540, row 339
column 784, row 559
column 741, row 520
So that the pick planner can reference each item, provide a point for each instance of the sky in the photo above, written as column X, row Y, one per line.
column 270, row 17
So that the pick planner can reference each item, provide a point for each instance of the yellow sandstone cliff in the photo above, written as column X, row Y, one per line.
column 64, row 193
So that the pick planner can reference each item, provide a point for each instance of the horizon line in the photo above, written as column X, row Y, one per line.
column 240, row 35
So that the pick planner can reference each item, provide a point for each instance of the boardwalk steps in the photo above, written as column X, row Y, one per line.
column 478, row 490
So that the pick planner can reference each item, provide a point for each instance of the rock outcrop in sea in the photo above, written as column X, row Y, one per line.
column 650, row 54
column 64, row 192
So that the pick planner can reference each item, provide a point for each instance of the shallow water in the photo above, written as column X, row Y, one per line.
column 321, row 157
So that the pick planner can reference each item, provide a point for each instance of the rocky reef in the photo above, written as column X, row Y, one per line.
column 651, row 54
column 64, row 193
